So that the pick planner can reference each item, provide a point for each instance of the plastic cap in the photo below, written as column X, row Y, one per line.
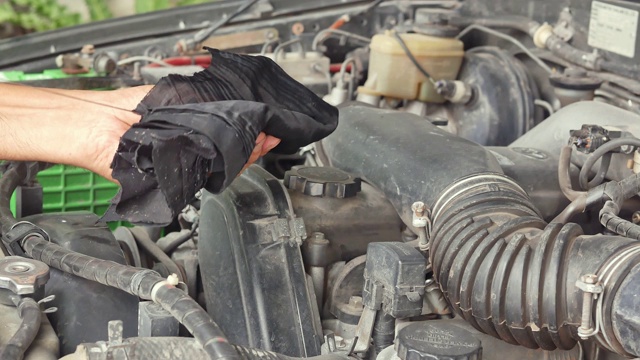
column 322, row 181
column 437, row 340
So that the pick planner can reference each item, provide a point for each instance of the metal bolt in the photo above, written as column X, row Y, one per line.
column 636, row 217
column 585, row 329
column 18, row 268
column 418, row 208
column 356, row 302
column 318, row 238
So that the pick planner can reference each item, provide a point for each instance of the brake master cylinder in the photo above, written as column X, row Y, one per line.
column 393, row 74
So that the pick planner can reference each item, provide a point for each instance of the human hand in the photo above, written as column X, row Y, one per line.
column 108, row 130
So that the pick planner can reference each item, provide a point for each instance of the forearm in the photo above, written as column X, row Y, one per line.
column 80, row 128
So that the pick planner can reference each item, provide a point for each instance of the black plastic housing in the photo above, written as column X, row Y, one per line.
column 253, row 276
column 85, row 307
column 394, row 279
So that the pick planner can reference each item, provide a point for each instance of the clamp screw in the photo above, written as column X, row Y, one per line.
column 591, row 288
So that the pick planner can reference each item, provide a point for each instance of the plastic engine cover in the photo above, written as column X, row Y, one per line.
column 85, row 307
column 253, row 276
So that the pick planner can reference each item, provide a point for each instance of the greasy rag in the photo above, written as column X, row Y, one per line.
column 199, row 131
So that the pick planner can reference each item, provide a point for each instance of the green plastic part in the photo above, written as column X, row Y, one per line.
column 45, row 75
column 67, row 188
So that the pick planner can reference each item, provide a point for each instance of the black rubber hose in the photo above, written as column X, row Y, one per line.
column 166, row 348
column 600, row 153
column 576, row 206
column 139, row 282
column 384, row 331
column 31, row 318
column 143, row 240
column 632, row 72
column 520, row 23
column 562, row 49
column 555, row 44
column 500, row 266
column 564, row 177
column 173, row 245
column 10, row 180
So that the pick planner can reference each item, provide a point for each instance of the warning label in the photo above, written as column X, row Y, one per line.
column 613, row 28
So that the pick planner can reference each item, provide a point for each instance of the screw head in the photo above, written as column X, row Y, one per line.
column 18, row 268
column 418, row 206
column 589, row 279
column 356, row 301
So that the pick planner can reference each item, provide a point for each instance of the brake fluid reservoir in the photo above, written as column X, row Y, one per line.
column 392, row 74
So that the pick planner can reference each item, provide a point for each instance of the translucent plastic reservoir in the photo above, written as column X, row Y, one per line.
column 392, row 74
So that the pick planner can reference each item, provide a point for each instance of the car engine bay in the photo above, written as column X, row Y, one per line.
column 478, row 199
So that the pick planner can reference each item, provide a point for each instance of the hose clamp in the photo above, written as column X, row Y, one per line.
column 13, row 238
column 603, row 278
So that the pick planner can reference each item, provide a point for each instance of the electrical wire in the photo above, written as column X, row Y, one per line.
column 415, row 62
column 321, row 36
column 134, row 59
column 597, row 155
column 509, row 38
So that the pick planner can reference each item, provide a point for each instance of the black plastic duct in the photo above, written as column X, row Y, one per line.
column 500, row 266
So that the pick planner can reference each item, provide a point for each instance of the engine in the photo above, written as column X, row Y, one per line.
column 478, row 199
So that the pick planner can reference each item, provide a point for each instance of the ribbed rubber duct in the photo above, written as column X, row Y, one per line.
column 500, row 266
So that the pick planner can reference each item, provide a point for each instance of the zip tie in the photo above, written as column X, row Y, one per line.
column 172, row 280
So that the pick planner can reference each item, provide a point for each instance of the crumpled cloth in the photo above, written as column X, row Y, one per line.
column 199, row 131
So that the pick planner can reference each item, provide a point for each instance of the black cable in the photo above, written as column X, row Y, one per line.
column 415, row 62
column 31, row 318
column 172, row 246
column 618, row 193
column 564, row 177
column 16, row 174
column 144, row 283
column 599, row 153
column 601, row 173
column 143, row 240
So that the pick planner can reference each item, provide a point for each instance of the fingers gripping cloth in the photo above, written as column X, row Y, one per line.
column 199, row 131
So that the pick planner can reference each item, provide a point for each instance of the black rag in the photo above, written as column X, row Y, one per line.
column 199, row 131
